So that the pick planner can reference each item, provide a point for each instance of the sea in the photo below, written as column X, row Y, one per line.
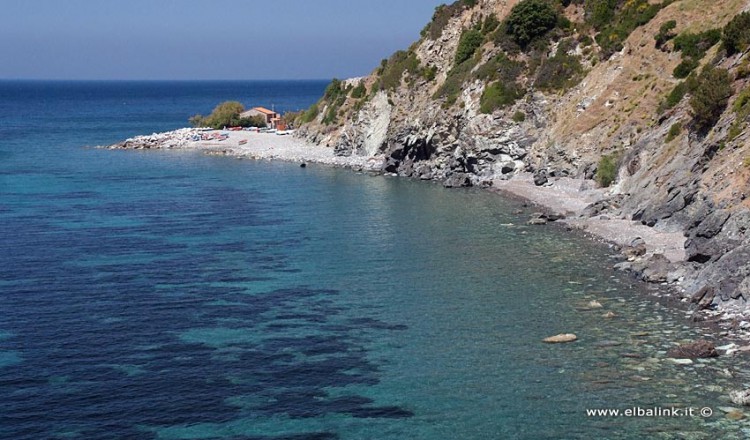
column 174, row 295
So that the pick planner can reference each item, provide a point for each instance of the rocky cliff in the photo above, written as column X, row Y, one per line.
column 649, row 97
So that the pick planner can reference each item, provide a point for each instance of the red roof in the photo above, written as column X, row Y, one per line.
column 264, row 110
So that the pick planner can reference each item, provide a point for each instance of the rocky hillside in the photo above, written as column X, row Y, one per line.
column 648, row 97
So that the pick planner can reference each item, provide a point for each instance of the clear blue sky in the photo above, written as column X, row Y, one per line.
column 203, row 39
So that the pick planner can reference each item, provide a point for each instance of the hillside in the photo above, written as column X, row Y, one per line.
column 649, row 97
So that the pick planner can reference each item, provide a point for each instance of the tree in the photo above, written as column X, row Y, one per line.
column 227, row 114
column 710, row 97
column 529, row 20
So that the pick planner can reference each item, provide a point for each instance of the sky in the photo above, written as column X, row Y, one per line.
column 204, row 39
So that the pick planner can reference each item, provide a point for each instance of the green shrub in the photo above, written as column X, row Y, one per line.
column 675, row 96
column 741, row 108
column 674, row 131
column 685, row 67
column 498, row 95
column 519, row 116
column 665, row 33
column 500, row 67
column 330, row 116
column 392, row 71
column 490, row 24
column 197, row 120
column 693, row 48
column 679, row 92
column 505, row 42
column 606, row 170
column 454, row 81
column 333, row 89
column 600, row 12
column 735, row 130
column 742, row 103
column 530, row 19
column 560, row 72
column 359, row 91
column 710, row 97
column 429, row 73
column 616, row 19
column 467, row 45
column 441, row 18
column 334, row 97
column 743, row 71
column 310, row 114
column 696, row 45
column 736, row 36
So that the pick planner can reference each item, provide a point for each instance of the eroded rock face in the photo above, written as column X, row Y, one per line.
column 695, row 184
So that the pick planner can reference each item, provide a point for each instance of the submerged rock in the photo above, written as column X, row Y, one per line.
column 561, row 338
column 740, row 397
column 700, row 349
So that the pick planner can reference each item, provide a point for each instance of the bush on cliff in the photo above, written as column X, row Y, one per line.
column 736, row 35
column 467, row 45
column 616, row 19
column 498, row 95
column 529, row 20
column 665, row 33
column 227, row 114
column 360, row 91
column 310, row 114
column 606, row 171
column 693, row 48
column 335, row 96
column 710, row 97
column 392, row 70
column 453, row 85
column 500, row 67
column 441, row 18
column 559, row 72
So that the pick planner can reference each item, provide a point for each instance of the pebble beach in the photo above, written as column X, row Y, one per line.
column 249, row 145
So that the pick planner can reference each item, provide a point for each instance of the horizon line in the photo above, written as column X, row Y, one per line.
column 161, row 80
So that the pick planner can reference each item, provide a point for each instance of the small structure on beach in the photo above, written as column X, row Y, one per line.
column 272, row 118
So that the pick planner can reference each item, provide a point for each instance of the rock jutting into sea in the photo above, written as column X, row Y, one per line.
column 601, row 137
column 248, row 145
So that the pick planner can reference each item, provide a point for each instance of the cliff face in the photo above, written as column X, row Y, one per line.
column 558, row 102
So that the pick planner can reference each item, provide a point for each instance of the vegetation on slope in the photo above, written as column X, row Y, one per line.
column 736, row 35
column 693, row 48
column 616, row 19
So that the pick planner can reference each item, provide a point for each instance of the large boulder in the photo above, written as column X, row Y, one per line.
column 700, row 349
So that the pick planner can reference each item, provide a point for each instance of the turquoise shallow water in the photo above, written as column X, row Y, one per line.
column 172, row 295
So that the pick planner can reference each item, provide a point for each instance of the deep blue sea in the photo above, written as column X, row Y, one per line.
column 172, row 295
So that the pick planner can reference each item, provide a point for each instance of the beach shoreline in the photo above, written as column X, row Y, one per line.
column 249, row 145
column 649, row 255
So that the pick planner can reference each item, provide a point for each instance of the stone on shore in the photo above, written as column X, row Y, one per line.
column 700, row 349
column 561, row 338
